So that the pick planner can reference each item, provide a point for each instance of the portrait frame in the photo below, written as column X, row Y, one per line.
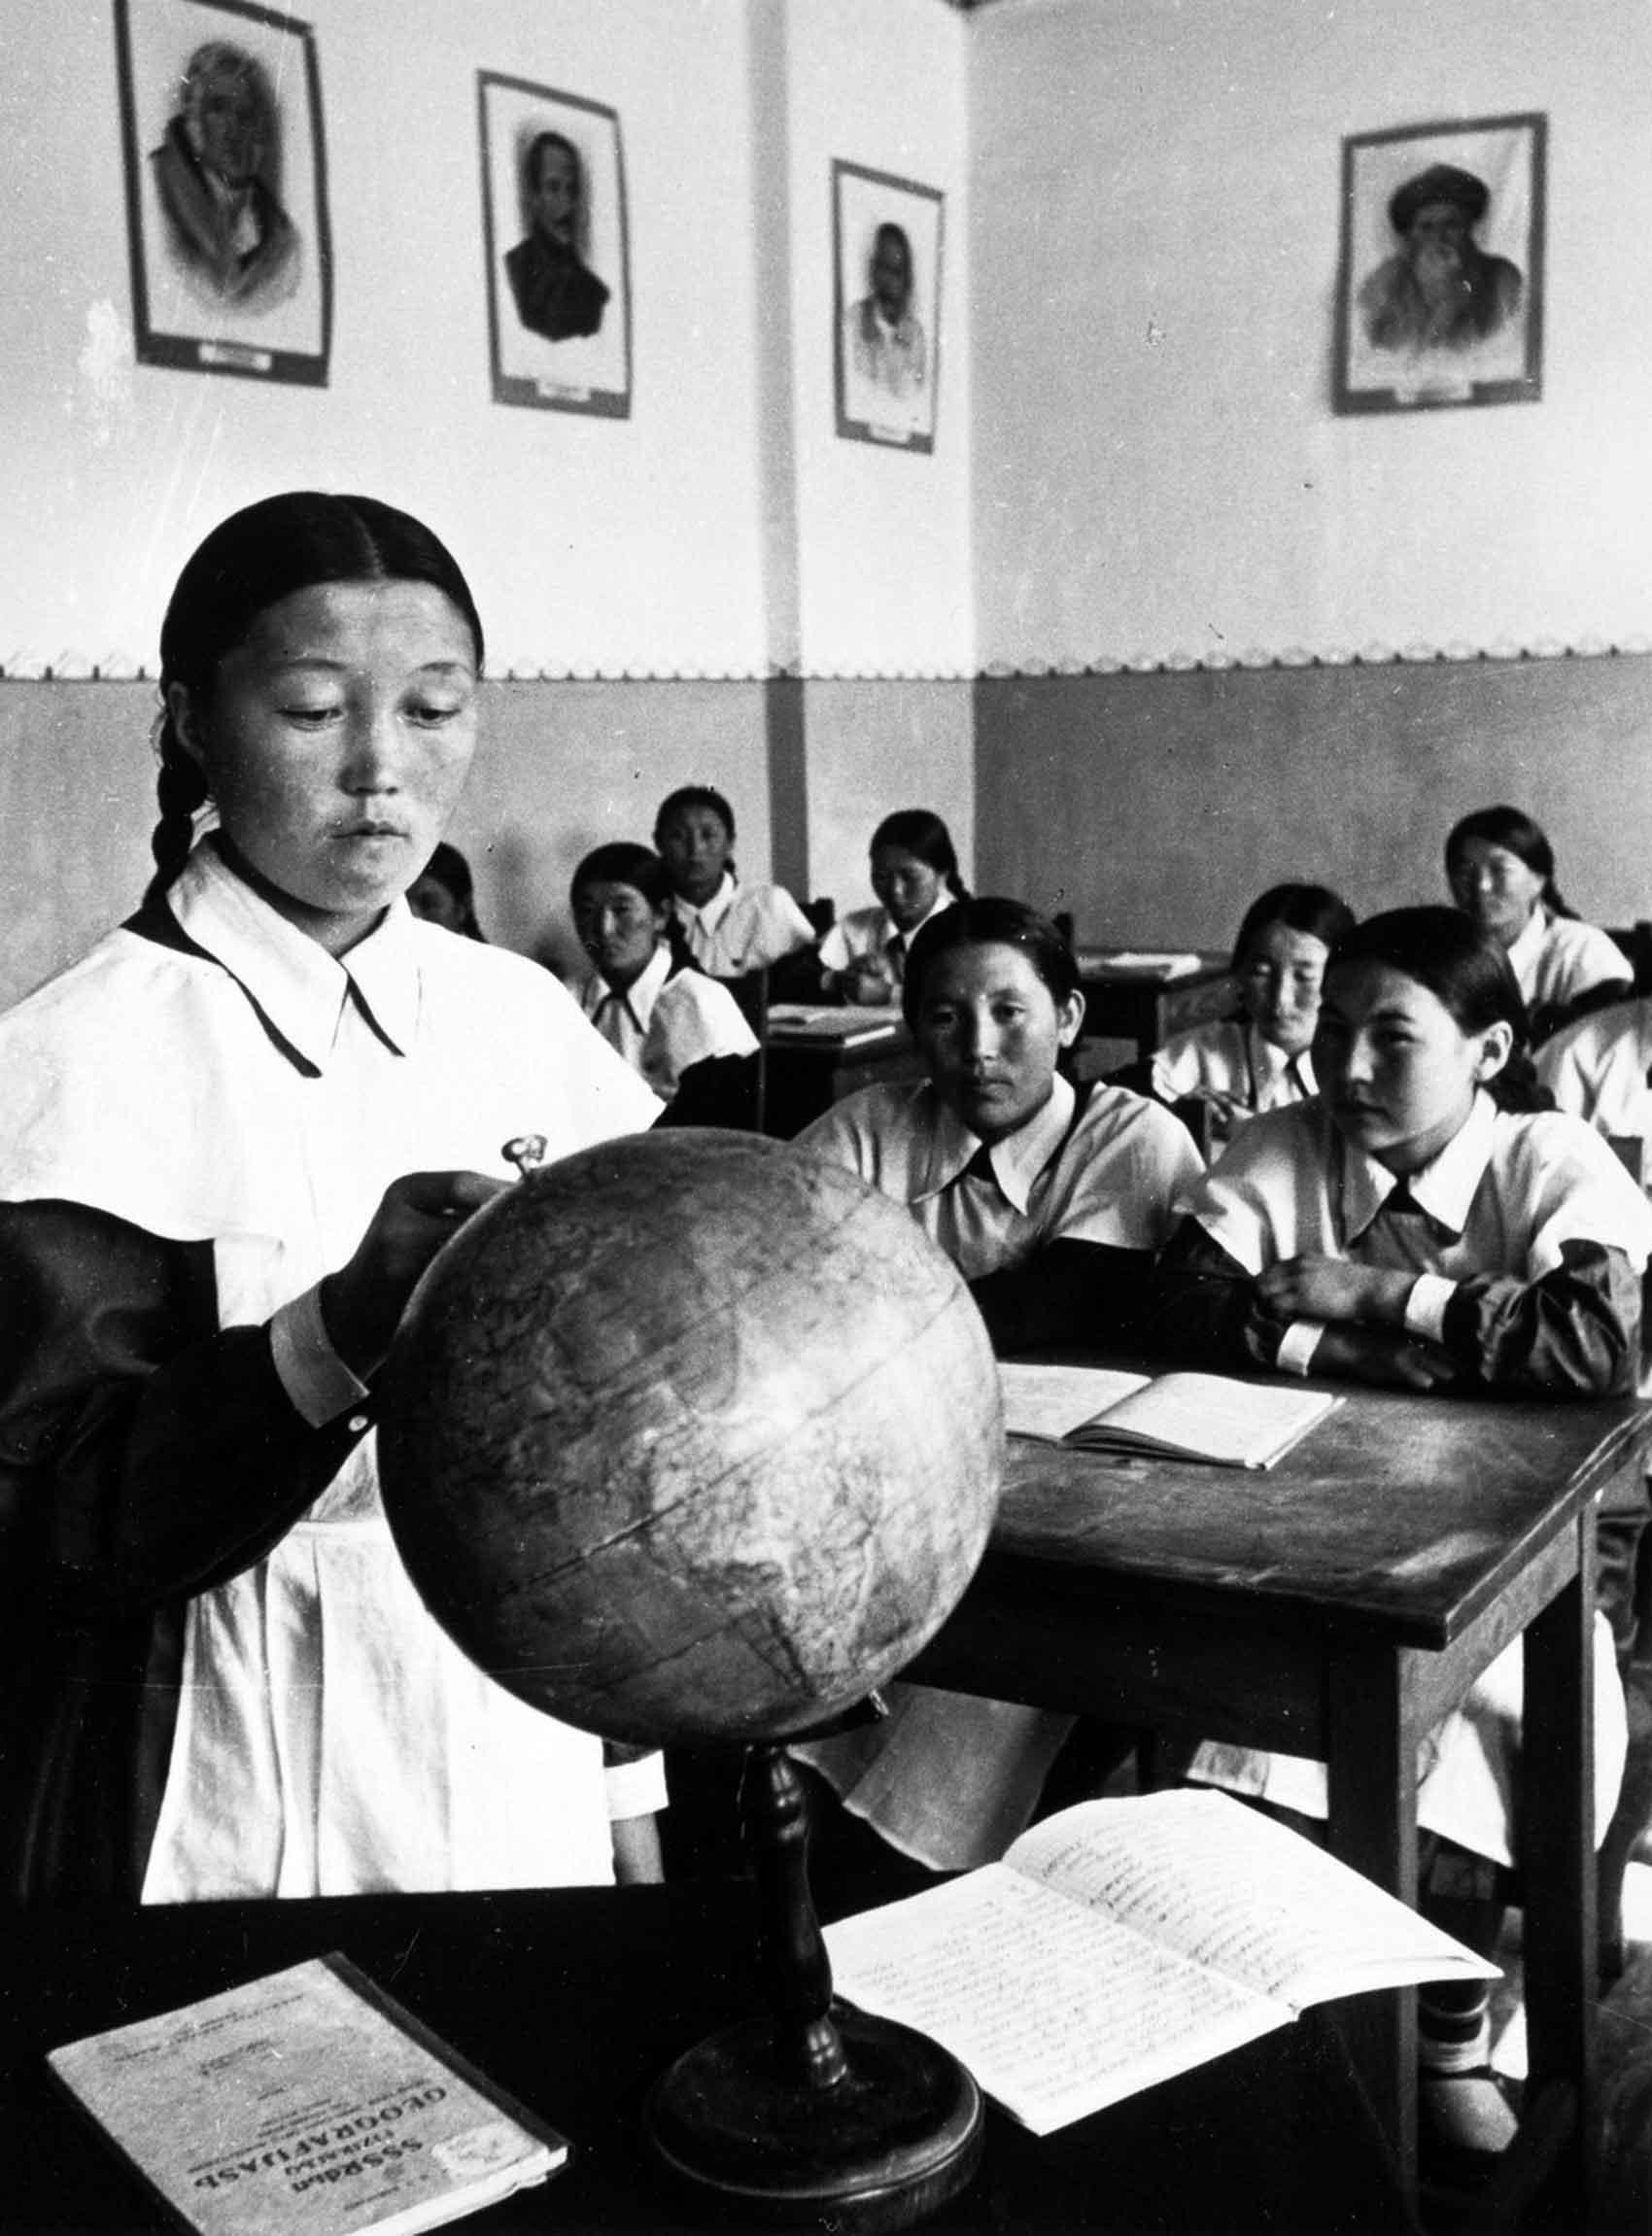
column 886, row 374
column 580, row 372
column 248, row 295
column 1476, row 335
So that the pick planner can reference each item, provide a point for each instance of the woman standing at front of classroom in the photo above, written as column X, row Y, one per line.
column 233, row 1136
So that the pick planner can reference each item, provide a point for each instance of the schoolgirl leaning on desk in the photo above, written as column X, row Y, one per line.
column 1051, row 1199
column 231, row 1137
column 915, row 874
column 1263, row 1059
column 1425, row 1222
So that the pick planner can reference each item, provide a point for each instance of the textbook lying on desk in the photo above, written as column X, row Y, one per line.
column 844, row 1026
column 1206, row 1417
column 305, row 2104
column 1124, row 1941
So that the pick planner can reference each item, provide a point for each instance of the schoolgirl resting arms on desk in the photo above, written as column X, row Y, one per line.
column 1423, row 1221
column 231, row 1138
column 644, row 995
column 731, row 929
column 915, row 874
column 1261, row 1060
column 1051, row 1200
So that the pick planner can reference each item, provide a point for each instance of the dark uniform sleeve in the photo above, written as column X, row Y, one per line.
column 1203, row 1308
column 1573, row 1333
column 1072, row 1292
column 143, row 1454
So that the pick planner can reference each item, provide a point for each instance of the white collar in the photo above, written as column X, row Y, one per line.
column 1017, row 1161
column 291, row 979
column 709, row 913
column 643, row 992
column 1523, row 955
column 1444, row 1187
column 1269, row 1061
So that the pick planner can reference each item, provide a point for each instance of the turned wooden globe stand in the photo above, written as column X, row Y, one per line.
column 812, row 2113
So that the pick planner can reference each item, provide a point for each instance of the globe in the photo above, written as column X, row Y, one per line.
column 691, row 1436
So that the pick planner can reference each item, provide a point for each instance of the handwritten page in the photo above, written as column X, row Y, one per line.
column 1281, row 1916
column 1055, row 2009
column 1121, row 1943
column 1050, row 1401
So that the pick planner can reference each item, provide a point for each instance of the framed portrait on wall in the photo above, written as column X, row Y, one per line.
column 887, row 307
column 558, row 260
column 225, row 171
column 1439, row 294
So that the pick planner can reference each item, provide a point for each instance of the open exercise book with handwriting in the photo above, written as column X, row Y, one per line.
column 1207, row 1417
column 1124, row 1941
column 306, row 2100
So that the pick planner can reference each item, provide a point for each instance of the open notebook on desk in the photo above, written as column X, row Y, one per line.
column 1204, row 1417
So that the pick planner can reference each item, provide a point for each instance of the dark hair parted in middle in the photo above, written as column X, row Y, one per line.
column 623, row 862
column 1468, row 974
column 990, row 921
column 694, row 795
column 920, row 831
column 1518, row 834
column 1311, row 909
column 249, row 563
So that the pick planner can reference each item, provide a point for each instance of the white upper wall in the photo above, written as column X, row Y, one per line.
column 883, row 533
column 593, row 545
column 1155, row 201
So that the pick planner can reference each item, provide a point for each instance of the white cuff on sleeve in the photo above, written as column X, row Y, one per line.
column 636, row 1789
column 1426, row 1306
column 313, row 1375
column 1297, row 1346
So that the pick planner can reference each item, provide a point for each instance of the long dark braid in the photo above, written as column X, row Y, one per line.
column 181, row 789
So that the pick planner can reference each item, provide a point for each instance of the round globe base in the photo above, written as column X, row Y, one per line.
column 883, row 2148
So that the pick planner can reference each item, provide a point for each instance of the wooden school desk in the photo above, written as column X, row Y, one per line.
column 1338, row 1605
column 1132, row 1004
column 806, row 1071
column 575, row 2001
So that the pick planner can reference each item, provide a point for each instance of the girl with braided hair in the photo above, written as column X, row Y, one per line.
column 236, row 1133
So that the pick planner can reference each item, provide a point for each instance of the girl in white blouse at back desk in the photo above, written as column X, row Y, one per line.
column 915, row 874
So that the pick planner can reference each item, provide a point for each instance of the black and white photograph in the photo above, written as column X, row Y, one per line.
column 886, row 270
column 226, row 188
column 554, row 221
column 1441, row 296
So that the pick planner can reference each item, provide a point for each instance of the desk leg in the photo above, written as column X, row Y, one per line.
column 1373, row 1825
column 1557, row 1852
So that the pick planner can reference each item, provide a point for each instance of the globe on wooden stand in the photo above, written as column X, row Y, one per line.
column 694, row 1437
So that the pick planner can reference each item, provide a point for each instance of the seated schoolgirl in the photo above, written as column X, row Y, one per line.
column 915, row 874
column 730, row 929
column 231, row 1138
column 1261, row 1060
column 1599, row 1068
column 1423, row 1221
column 1051, row 1199
column 643, row 994
column 444, row 893
column 1502, row 872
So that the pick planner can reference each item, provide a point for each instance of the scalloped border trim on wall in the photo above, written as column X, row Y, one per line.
column 116, row 667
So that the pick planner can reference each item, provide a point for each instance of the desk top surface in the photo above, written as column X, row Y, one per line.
column 1400, row 1515
column 575, row 2001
